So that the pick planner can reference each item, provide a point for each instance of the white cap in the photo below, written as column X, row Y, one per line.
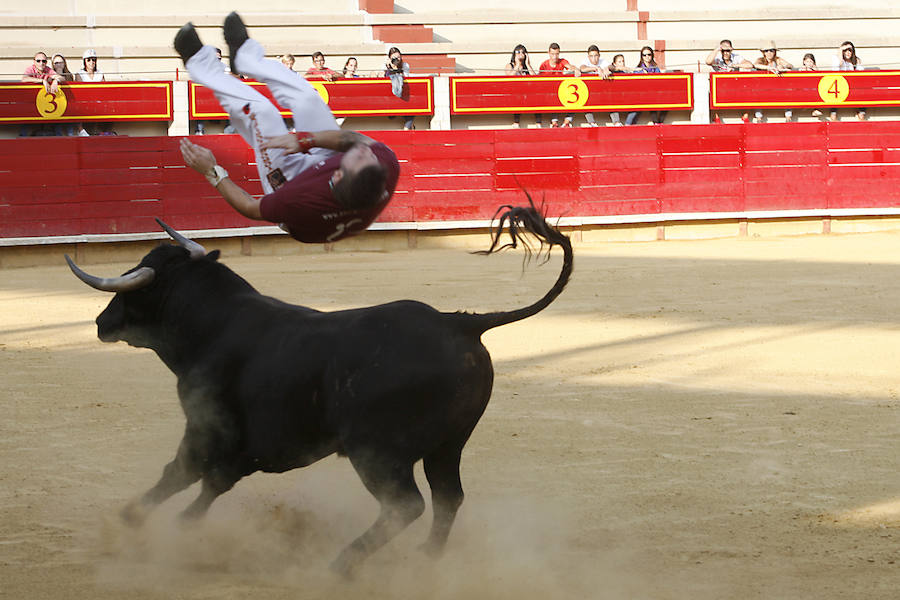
column 89, row 53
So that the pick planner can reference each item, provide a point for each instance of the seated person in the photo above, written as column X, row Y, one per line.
column 320, row 70
column 554, row 65
column 724, row 58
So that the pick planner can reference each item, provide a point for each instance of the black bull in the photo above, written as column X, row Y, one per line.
column 269, row 386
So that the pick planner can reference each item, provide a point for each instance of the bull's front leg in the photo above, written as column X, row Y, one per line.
column 177, row 476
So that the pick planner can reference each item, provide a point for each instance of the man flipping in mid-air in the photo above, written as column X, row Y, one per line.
column 320, row 185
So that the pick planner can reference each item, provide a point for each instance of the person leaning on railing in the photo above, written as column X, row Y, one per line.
column 772, row 63
column 847, row 60
column 593, row 64
column 40, row 71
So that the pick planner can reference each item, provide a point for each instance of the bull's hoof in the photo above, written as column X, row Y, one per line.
column 432, row 550
column 134, row 514
column 344, row 566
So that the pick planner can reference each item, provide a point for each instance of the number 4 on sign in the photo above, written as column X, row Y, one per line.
column 834, row 89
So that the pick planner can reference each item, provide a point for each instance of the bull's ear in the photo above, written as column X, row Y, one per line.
column 214, row 255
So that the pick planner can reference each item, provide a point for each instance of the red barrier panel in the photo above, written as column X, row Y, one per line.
column 346, row 97
column 102, row 185
column 480, row 95
column 815, row 89
column 82, row 101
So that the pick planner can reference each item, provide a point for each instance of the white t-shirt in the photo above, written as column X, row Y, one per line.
column 839, row 64
column 719, row 63
column 85, row 76
column 586, row 62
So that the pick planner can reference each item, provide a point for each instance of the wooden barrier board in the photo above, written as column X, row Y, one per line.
column 536, row 94
column 816, row 89
column 82, row 101
column 345, row 97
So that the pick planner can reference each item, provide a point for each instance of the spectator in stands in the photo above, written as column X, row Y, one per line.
column 554, row 65
column 89, row 70
column 724, row 58
column 288, row 60
column 847, row 60
column 61, row 67
column 809, row 64
column 647, row 64
column 320, row 70
column 40, row 72
column 397, row 70
column 520, row 64
column 770, row 61
column 593, row 64
column 617, row 66
column 350, row 67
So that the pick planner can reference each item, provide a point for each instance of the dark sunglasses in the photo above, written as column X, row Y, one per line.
column 769, row 50
column 646, row 54
column 91, row 58
column 41, row 60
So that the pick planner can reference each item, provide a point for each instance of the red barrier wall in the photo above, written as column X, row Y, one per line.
column 96, row 185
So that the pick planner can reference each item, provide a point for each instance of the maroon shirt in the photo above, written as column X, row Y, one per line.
column 309, row 212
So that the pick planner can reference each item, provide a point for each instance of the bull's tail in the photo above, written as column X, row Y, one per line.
column 517, row 220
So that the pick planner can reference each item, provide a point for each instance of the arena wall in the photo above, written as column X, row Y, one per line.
column 733, row 178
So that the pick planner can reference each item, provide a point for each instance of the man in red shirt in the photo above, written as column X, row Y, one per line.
column 320, row 70
column 557, row 66
column 320, row 185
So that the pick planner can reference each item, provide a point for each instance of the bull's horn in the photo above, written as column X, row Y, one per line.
column 125, row 283
column 196, row 250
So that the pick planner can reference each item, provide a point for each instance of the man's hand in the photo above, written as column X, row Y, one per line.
column 288, row 142
column 197, row 157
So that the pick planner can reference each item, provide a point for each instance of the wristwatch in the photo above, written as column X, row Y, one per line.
column 215, row 175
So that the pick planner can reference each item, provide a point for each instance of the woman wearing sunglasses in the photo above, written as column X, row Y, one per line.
column 647, row 64
column 89, row 71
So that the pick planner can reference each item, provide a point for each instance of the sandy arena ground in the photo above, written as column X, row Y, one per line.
column 692, row 419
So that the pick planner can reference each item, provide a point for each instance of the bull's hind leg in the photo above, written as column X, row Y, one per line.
column 442, row 471
column 394, row 486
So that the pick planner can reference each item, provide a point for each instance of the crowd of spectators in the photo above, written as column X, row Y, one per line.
column 51, row 73
column 722, row 58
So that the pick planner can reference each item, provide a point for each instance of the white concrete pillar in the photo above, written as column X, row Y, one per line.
column 700, row 113
column 180, row 124
column 441, row 119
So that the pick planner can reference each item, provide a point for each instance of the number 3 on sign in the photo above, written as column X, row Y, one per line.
column 572, row 92
column 834, row 89
column 50, row 106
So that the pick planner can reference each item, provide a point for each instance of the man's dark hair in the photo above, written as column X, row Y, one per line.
column 554, row 46
column 593, row 48
column 363, row 189
column 317, row 55
column 726, row 42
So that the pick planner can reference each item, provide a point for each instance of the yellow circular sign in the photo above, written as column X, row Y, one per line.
column 323, row 91
column 572, row 92
column 833, row 89
column 51, row 106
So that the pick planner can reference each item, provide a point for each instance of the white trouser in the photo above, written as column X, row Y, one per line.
column 262, row 119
